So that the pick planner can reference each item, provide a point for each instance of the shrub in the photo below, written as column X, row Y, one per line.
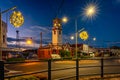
column 15, row 59
column 64, row 53
column 25, row 78
column 31, row 77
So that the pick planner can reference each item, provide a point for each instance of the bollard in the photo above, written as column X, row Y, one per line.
column 102, row 70
column 77, row 69
column 49, row 69
column 1, row 70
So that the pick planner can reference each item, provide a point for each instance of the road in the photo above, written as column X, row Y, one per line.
column 38, row 66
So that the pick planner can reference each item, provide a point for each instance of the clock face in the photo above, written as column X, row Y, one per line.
column 84, row 35
column 16, row 19
column 57, row 24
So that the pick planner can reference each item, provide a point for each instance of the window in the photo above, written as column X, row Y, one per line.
column 59, row 32
column 3, row 38
column 54, row 32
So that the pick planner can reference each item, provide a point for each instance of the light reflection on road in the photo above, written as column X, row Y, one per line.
column 28, row 64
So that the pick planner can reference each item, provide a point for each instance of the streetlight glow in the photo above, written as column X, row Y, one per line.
column 94, row 39
column 65, row 19
column 29, row 41
column 91, row 10
column 72, row 37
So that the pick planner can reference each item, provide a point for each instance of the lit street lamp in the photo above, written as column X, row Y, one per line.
column 16, row 19
column 2, row 12
column 72, row 37
column 29, row 41
column 64, row 20
column 94, row 39
column 91, row 10
column 76, row 37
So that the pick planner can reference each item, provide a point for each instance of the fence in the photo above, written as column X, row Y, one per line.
column 77, row 67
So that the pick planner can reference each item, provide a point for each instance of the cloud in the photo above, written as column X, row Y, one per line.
column 40, row 28
column 11, row 42
column 118, row 1
column 9, row 39
column 35, row 30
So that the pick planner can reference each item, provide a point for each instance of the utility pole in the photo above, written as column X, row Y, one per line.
column 40, row 39
column 17, row 39
column 1, row 35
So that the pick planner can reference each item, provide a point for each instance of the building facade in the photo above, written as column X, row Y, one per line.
column 56, row 45
column 3, row 37
column 57, row 34
column 3, row 34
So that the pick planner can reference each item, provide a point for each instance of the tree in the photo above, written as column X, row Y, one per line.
column 64, row 53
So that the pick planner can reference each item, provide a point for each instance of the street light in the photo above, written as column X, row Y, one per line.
column 29, row 41
column 94, row 39
column 2, row 12
column 15, row 19
column 90, row 10
column 64, row 19
column 72, row 37
column 76, row 37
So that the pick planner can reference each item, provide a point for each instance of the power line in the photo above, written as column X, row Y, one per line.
column 58, row 11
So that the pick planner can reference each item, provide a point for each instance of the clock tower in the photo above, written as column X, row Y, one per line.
column 57, row 32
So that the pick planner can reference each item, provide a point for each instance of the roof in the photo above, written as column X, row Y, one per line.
column 78, row 45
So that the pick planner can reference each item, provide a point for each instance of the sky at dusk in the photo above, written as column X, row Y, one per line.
column 38, row 15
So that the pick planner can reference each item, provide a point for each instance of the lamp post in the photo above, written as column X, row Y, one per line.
column 16, row 19
column 1, row 39
column 76, row 37
column 89, row 11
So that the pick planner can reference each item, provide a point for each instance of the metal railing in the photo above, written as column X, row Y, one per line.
column 50, row 70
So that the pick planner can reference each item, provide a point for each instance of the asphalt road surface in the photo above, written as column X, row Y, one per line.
column 39, row 66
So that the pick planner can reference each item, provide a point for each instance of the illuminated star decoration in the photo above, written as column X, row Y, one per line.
column 84, row 35
column 16, row 19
